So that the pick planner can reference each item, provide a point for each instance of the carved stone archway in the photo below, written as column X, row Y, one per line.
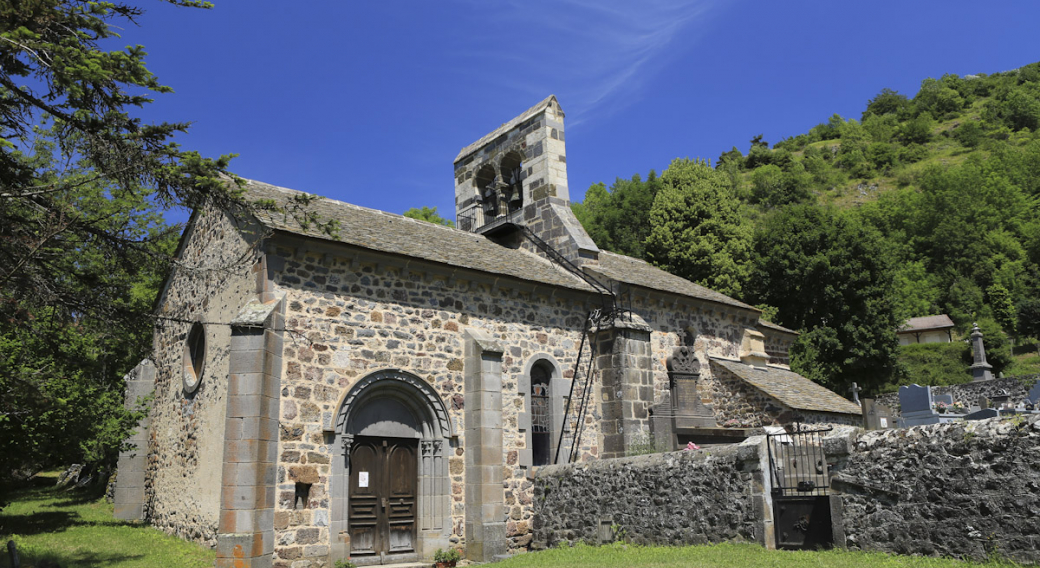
column 420, row 414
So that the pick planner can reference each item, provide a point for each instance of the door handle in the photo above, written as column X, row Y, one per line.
column 384, row 503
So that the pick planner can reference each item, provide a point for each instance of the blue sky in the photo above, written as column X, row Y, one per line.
column 369, row 102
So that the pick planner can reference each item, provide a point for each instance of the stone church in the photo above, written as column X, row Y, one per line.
column 334, row 381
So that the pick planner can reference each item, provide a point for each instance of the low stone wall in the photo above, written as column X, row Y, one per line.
column 965, row 489
column 969, row 489
column 686, row 497
column 968, row 393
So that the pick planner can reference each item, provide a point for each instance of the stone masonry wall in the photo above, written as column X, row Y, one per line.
column 348, row 319
column 778, row 346
column 967, row 489
column 718, row 334
column 739, row 405
column 686, row 497
column 215, row 277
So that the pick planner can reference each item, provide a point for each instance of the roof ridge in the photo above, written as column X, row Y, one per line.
column 361, row 207
column 481, row 242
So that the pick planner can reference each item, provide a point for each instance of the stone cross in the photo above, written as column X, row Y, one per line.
column 855, row 390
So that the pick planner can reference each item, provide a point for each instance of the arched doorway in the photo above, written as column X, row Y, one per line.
column 390, row 490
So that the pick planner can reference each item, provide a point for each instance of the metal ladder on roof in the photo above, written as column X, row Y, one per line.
column 581, row 382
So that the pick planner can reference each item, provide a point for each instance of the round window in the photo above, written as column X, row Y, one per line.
column 194, row 357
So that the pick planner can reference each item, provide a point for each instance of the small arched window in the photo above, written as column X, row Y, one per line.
column 541, row 414
column 194, row 357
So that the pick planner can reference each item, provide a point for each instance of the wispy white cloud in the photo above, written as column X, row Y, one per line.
column 596, row 55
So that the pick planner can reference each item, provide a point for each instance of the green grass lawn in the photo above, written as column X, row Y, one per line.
column 76, row 529
column 724, row 556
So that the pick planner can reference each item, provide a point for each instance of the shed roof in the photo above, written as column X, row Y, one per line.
column 926, row 323
column 396, row 234
column 790, row 388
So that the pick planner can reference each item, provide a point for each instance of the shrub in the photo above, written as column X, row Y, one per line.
column 934, row 363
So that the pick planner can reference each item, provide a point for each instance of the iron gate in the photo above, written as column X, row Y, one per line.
column 801, row 487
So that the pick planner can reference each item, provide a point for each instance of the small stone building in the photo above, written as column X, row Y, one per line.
column 385, row 387
column 927, row 329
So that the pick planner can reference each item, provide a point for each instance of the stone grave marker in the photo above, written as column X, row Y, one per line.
column 877, row 416
column 1034, row 394
column 915, row 402
column 1000, row 401
column 983, row 414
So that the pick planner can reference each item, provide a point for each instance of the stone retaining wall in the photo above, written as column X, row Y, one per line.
column 969, row 489
column 686, row 497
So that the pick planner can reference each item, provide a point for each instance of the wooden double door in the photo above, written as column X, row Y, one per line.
column 383, row 496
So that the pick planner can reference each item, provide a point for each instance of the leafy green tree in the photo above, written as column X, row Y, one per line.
column 917, row 130
column 618, row 219
column 881, row 128
column 1022, row 110
column 886, row 102
column 82, row 245
column 774, row 187
column 882, row 156
column 830, row 278
column 759, row 154
column 1003, row 308
column 969, row 134
column 697, row 230
column 734, row 156
column 428, row 214
column 68, row 343
column 938, row 98
column 1029, row 318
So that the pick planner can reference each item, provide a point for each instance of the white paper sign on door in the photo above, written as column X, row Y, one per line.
column 362, row 480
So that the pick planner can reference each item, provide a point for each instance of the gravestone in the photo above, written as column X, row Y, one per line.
column 983, row 414
column 683, row 411
column 1034, row 393
column 877, row 416
column 1000, row 400
column 915, row 402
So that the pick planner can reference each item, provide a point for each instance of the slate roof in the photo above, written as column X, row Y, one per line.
column 926, row 323
column 790, row 388
column 773, row 326
column 389, row 233
column 640, row 273
column 506, row 127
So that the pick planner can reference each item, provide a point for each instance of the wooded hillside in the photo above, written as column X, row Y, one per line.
column 923, row 205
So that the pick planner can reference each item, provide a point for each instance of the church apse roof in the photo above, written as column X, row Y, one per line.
column 621, row 268
column 395, row 234
column 790, row 388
